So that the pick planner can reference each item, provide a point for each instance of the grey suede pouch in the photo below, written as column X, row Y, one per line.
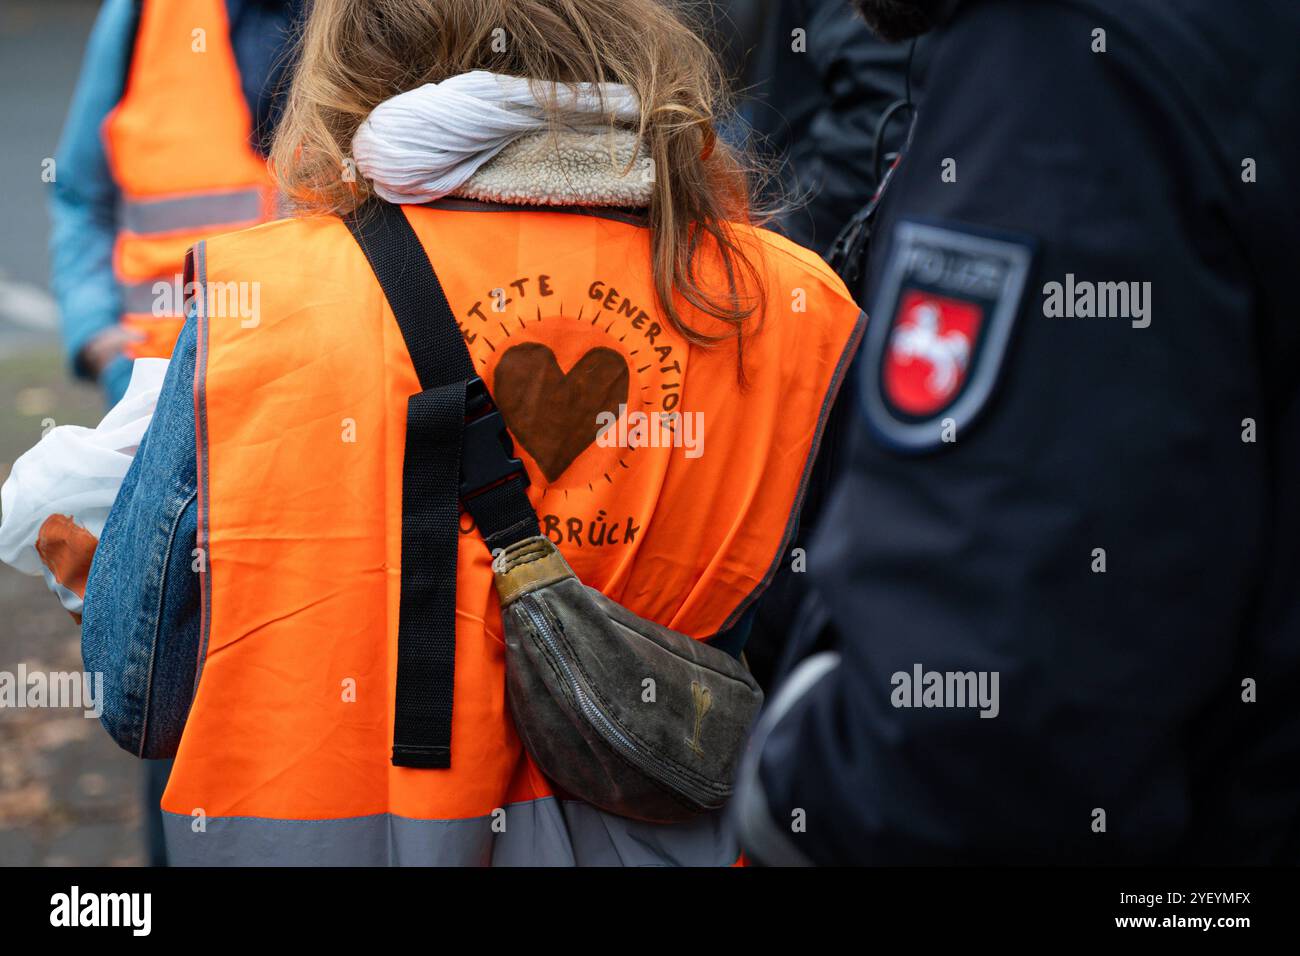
column 624, row 714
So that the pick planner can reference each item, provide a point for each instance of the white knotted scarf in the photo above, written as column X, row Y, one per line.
column 425, row 143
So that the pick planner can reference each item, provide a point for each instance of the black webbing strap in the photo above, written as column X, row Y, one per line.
column 503, row 514
column 438, row 442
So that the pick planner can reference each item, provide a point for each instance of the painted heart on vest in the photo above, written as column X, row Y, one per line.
column 551, row 413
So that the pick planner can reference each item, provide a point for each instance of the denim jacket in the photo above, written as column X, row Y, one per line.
column 140, row 620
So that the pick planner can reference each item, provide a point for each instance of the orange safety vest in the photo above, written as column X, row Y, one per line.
column 301, row 419
column 179, row 148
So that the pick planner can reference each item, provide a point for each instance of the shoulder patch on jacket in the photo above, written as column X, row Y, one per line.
column 942, row 318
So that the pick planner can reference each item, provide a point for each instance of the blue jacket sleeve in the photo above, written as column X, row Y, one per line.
column 83, row 202
column 140, row 622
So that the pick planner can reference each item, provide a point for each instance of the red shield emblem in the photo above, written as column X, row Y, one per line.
column 951, row 297
column 928, row 355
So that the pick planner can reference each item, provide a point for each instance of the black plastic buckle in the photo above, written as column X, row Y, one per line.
column 487, row 453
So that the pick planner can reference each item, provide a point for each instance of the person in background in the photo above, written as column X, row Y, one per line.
column 827, row 105
column 131, row 194
column 1057, row 615
column 132, row 191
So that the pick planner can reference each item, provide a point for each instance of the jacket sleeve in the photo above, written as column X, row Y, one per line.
column 83, row 200
column 140, row 620
column 1101, row 438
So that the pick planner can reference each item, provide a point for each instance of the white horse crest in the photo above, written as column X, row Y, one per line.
column 918, row 337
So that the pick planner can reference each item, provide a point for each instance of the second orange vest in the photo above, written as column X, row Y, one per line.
column 179, row 146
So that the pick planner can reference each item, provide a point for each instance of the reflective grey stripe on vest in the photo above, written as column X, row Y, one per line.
column 195, row 211
column 138, row 298
column 536, row 833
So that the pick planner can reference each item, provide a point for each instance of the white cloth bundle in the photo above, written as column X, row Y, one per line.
column 75, row 472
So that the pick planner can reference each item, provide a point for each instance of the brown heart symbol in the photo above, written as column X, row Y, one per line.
column 553, row 414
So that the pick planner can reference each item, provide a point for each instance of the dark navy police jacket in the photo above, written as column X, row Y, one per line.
column 1074, row 464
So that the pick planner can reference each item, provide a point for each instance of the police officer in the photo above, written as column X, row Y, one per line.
column 1057, row 613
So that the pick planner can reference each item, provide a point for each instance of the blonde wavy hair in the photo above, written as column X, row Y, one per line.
column 354, row 54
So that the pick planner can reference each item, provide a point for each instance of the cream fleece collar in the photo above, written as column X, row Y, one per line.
column 569, row 168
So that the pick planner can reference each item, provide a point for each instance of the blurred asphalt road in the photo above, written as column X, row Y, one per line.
column 67, row 794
